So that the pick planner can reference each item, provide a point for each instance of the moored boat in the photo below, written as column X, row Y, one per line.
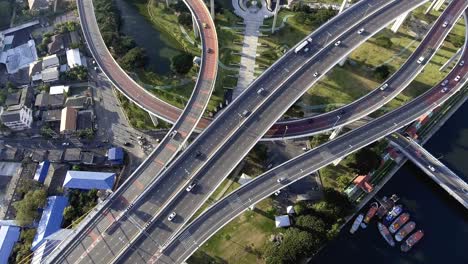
column 356, row 223
column 370, row 214
column 412, row 240
column 399, row 222
column 396, row 210
column 386, row 234
column 405, row 230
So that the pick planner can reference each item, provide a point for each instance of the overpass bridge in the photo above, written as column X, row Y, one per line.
column 433, row 167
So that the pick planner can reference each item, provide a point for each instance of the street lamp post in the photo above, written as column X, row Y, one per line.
column 285, row 130
column 338, row 119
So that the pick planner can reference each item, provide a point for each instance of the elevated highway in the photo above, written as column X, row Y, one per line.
column 435, row 169
column 112, row 210
column 98, row 240
column 220, row 163
column 221, row 213
column 374, row 100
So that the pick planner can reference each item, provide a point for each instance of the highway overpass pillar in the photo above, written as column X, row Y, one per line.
column 335, row 133
column 399, row 21
column 454, row 57
column 438, row 4
column 275, row 16
column 195, row 28
column 343, row 6
column 154, row 119
column 431, row 6
column 212, row 9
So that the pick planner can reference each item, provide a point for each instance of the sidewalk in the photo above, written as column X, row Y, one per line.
column 253, row 20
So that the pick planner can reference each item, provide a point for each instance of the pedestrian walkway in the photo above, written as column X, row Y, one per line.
column 253, row 20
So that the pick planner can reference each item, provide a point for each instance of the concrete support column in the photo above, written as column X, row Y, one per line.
column 431, row 6
column 454, row 57
column 195, row 28
column 335, row 133
column 399, row 21
column 154, row 119
column 275, row 16
column 439, row 4
column 212, row 7
column 343, row 6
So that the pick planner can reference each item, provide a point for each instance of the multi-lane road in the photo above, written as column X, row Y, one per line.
column 221, row 213
column 377, row 98
column 293, row 71
column 435, row 169
column 112, row 210
column 230, row 153
column 169, row 183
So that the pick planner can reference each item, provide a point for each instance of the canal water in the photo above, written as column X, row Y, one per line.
column 443, row 219
column 158, row 46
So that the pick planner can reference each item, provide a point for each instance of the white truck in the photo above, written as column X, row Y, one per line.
column 302, row 45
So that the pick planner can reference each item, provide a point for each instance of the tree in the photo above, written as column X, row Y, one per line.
column 134, row 58
column 182, row 63
column 382, row 72
column 366, row 161
column 77, row 73
column 26, row 209
column 384, row 42
column 295, row 245
column 311, row 224
column 185, row 19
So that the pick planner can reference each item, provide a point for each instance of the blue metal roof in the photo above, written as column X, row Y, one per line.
column 41, row 171
column 8, row 237
column 51, row 219
column 115, row 154
column 88, row 180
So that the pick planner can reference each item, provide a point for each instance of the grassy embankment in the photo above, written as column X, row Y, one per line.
column 165, row 21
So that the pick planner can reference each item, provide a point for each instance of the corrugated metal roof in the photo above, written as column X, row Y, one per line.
column 41, row 171
column 8, row 237
column 88, row 180
column 51, row 219
column 115, row 154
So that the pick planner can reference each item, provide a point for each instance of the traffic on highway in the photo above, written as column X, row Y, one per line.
column 145, row 216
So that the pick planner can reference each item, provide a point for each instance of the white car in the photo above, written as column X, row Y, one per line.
column 280, row 180
column 338, row 43
column 260, row 91
column 445, row 89
column 445, row 82
column 316, row 74
column 191, row 186
column 421, row 59
column 457, row 78
column 385, row 85
column 277, row 193
column 65, row 144
column 171, row 216
column 445, row 24
column 173, row 133
column 360, row 31
column 462, row 63
column 431, row 168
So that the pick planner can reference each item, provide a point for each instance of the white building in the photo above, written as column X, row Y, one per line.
column 17, row 120
column 59, row 89
column 74, row 58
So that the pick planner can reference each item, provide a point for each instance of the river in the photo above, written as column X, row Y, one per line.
column 443, row 219
column 158, row 46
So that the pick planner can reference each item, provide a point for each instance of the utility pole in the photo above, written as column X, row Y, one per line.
column 212, row 9
column 275, row 16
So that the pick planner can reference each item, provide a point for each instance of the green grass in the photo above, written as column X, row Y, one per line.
column 252, row 228
column 138, row 118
